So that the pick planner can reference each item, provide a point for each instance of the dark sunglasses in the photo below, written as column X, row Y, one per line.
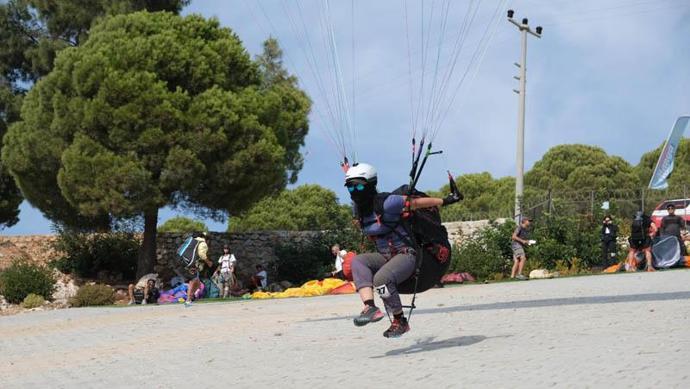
column 358, row 187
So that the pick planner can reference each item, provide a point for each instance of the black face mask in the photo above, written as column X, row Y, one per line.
column 364, row 199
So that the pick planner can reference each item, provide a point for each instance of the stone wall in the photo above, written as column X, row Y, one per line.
column 457, row 231
column 250, row 248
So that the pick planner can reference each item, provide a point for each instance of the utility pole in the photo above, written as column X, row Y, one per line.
column 520, row 162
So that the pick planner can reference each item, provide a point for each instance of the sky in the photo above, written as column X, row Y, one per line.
column 609, row 73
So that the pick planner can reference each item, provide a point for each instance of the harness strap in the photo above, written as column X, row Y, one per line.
column 409, row 239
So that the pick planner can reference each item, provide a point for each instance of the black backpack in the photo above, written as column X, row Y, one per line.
column 429, row 238
column 639, row 227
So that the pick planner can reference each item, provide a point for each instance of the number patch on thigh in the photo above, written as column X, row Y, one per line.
column 383, row 291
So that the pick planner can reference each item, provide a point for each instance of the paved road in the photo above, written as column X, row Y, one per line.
column 624, row 330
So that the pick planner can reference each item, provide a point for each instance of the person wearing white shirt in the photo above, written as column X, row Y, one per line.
column 226, row 268
column 339, row 259
column 260, row 279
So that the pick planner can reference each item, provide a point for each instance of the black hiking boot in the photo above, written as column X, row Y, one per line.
column 369, row 315
column 397, row 328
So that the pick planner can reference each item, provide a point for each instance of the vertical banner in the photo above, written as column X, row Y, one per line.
column 664, row 166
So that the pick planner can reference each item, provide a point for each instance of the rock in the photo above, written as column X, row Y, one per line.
column 542, row 273
column 286, row 284
column 275, row 287
column 3, row 303
column 64, row 291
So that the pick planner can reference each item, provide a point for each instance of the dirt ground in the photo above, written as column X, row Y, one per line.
column 623, row 330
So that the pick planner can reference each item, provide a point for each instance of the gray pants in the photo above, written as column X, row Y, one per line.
column 374, row 270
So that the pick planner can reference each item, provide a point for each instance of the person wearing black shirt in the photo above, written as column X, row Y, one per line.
column 152, row 293
column 672, row 224
column 609, row 233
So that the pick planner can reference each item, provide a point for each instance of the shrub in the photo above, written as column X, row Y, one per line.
column 485, row 254
column 566, row 237
column 563, row 242
column 571, row 267
column 312, row 258
column 87, row 254
column 33, row 301
column 23, row 278
column 299, row 262
column 93, row 295
column 182, row 224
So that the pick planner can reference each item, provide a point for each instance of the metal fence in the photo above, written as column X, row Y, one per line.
column 619, row 203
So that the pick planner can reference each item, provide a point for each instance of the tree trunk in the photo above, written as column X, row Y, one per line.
column 147, row 252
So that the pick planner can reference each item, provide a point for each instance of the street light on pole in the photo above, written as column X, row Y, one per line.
column 524, row 29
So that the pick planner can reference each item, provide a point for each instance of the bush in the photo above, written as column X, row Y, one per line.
column 33, row 301
column 93, row 295
column 23, row 278
column 182, row 224
column 561, row 238
column 563, row 242
column 486, row 254
column 312, row 258
column 87, row 254
column 299, row 262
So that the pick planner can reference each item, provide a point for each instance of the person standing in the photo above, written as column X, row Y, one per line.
column 226, row 269
column 193, row 269
column 609, row 233
column 671, row 225
column 520, row 240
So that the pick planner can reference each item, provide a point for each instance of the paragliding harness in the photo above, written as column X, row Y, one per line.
column 424, row 233
column 639, row 227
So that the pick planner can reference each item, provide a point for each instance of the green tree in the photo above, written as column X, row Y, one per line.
column 153, row 110
column 581, row 167
column 305, row 208
column 31, row 33
column 681, row 166
column 10, row 196
column 270, row 63
column 485, row 197
column 291, row 105
column 182, row 224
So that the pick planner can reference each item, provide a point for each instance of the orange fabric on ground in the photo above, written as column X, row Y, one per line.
column 347, row 288
column 612, row 268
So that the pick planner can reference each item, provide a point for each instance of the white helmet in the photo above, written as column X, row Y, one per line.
column 361, row 171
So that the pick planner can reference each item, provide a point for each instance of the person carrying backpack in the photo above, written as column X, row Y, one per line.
column 395, row 259
column 192, row 274
column 641, row 232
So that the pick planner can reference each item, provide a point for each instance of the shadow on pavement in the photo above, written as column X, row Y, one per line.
column 543, row 303
column 429, row 344
column 557, row 302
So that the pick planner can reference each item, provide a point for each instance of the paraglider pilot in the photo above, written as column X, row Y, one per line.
column 395, row 259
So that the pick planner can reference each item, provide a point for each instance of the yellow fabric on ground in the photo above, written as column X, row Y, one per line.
column 308, row 289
